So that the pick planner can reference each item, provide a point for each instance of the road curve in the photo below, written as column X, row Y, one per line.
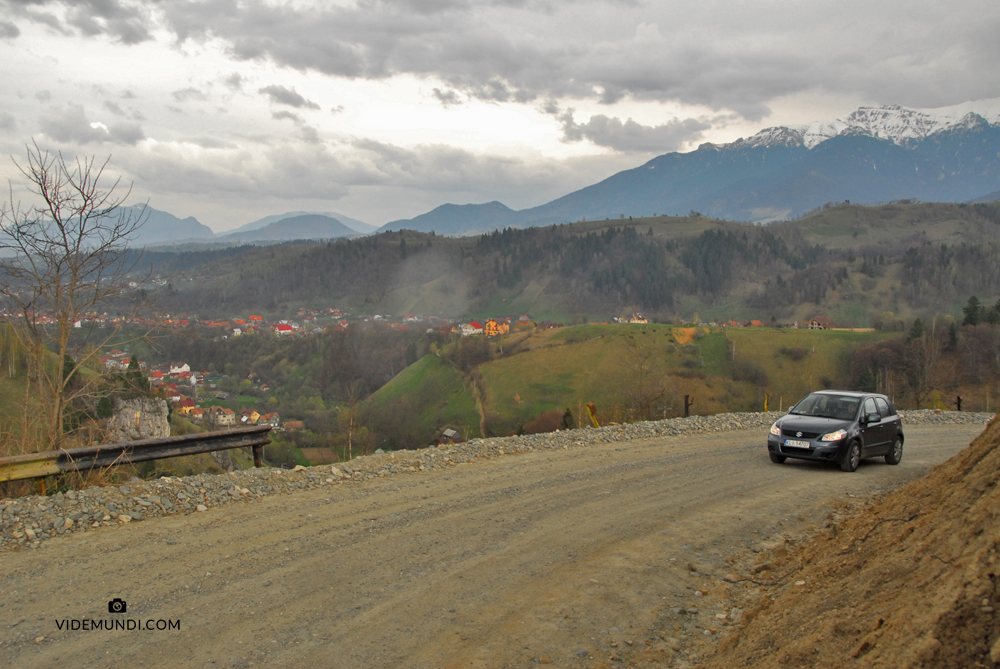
column 555, row 556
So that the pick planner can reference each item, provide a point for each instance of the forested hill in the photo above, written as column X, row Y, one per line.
column 852, row 263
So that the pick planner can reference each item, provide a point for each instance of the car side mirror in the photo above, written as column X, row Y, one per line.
column 873, row 418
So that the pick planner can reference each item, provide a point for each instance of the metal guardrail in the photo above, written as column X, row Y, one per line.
column 48, row 463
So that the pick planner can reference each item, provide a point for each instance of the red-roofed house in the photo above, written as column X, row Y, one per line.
column 472, row 328
column 283, row 329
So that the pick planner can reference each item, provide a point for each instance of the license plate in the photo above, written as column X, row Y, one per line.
column 797, row 444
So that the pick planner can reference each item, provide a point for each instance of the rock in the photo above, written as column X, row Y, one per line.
column 201, row 507
column 124, row 518
column 298, row 468
column 30, row 533
column 138, row 418
column 995, row 652
column 736, row 616
column 67, row 523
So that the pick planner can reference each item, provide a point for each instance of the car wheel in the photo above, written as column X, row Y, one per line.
column 852, row 457
column 896, row 454
column 776, row 459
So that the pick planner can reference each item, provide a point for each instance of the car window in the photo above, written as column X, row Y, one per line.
column 870, row 406
column 828, row 406
column 883, row 407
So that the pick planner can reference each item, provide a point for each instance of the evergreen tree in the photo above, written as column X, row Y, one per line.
column 917, row 331
column 974, row 312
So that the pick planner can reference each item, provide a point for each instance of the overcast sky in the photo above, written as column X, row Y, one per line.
column 231, row 110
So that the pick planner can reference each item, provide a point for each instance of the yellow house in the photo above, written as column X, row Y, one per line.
column 492, row 328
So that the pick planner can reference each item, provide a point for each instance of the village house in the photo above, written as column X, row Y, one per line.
column 820, row 323
column 272, row 419
column 249, row 417
column 638, row 318
column 492, row 327
column 472, row 328
column 294, row 425
column 449, row 436
column 282, row 329
column 197, row 413
column 177, row 369
column 222, row 416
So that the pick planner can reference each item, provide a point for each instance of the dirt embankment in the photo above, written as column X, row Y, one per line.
column 909, row 582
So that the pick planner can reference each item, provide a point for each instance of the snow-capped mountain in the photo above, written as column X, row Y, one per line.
column 902, row 126
column 874, row 154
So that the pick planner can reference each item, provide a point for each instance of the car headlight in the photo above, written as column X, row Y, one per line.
column 776, row 430
column 834, row 436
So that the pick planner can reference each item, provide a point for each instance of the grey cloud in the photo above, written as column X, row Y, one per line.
column 43, row 96
column 234, row 81
column 209, row 142
column 71, row 126
column 631, row 136
column 287, row 96
column 309, row 135
column 8, row 30
column 124, row 22
column 190, row 93
column 117, row 110
column 284, row 114
column 7, row 121
column 114, row 108
column 447, row 98
column 714, row 53
column 337, row 110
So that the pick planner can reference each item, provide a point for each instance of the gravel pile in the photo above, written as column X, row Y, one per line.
column 29, row 521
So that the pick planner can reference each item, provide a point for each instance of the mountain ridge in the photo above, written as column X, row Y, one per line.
column 307, row 226
column 946, row 154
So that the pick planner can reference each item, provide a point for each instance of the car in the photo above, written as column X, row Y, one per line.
column 838, row 426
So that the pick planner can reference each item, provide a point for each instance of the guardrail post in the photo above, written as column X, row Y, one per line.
column 258, row 456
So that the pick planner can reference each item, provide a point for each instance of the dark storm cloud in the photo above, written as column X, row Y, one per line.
column 632, row 136
column 70, row 125
column 287, row 96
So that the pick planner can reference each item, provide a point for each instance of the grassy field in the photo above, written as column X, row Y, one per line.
column 730, row 369
column 435, row 393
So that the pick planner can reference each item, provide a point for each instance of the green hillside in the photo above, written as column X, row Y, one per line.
column 727, row 369
column 429, row 394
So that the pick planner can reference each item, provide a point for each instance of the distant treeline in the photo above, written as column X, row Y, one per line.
column 624, row 265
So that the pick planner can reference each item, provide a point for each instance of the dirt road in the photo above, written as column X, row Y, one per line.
column 563, row 557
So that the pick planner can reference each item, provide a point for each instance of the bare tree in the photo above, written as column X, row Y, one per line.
column 644, row 382
column 63, row 261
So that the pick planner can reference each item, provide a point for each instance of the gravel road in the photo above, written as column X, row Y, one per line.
column 576, row 557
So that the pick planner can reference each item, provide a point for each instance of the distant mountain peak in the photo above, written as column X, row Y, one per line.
column 903, row 126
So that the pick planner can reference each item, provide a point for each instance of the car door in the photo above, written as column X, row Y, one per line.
column 888, row 434
column 871, row 433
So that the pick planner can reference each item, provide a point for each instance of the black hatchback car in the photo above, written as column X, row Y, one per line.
column 838, row 426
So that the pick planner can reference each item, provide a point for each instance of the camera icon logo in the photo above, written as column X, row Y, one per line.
column 116, row 605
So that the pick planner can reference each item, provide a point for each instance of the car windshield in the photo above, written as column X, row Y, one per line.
column 840, row 407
